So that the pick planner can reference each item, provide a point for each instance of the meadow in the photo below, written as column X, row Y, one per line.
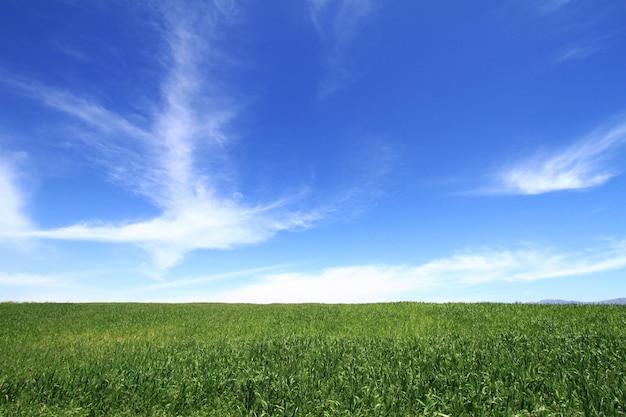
column 397, row 359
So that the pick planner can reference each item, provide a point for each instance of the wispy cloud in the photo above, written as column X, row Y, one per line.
column 198, row 282
column 202, row 224
column 582, row 165
column 88, row 111
column 366, row 283
column 12, row 217
column 546, row 7
column 369, row 283
column 467, row 270
column 337, row 22
column 69, row 50
column 576, row 53
column 587, row 25
column 28, row 280
column 172, row 157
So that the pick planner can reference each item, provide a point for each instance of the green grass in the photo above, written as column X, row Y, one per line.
column 400, row 359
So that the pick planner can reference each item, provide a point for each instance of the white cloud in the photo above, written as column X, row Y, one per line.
column 202, row 224
column 70, row 51
column 12, row 217
column 367, row 283
column 580, row 166
column 194, row 282
column 546, row 7
column 81, row 108
column 370, row 283
column 576, row 53
column 337, row 22
column 28, row 280
column 463, row 271
column 174, row 157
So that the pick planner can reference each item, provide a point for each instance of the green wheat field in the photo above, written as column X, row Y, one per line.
column 396, row 359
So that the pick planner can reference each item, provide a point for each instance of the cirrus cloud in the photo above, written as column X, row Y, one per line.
column 173, row 153
column 584, row 164
column 12, row 217
column 337, row 22
column 375, row 283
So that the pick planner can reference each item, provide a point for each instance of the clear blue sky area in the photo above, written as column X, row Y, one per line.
column 312, row 151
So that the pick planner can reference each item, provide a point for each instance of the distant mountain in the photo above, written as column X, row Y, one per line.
column 619, row 301
column 550, row 301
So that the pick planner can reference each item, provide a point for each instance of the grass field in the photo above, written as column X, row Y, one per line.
column 400, row 359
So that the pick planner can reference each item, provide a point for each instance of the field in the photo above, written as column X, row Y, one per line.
column 399, row 359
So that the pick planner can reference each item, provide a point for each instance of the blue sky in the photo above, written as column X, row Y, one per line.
column 312, row 151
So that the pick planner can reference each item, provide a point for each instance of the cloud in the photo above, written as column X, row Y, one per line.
column 198, row 281
column 88, row 111
column 576, row 53
column 28, row 280
column 546, row 7
column 12, row 217
column 462, row 271
column 526, row 264
column 337, row 22
column 367, row 283
column 584, row 164
column 201, row 224
column 70, row 51
column 375, row 283
column 173, row 154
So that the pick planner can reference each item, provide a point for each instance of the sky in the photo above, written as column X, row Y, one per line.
column 332, row 151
